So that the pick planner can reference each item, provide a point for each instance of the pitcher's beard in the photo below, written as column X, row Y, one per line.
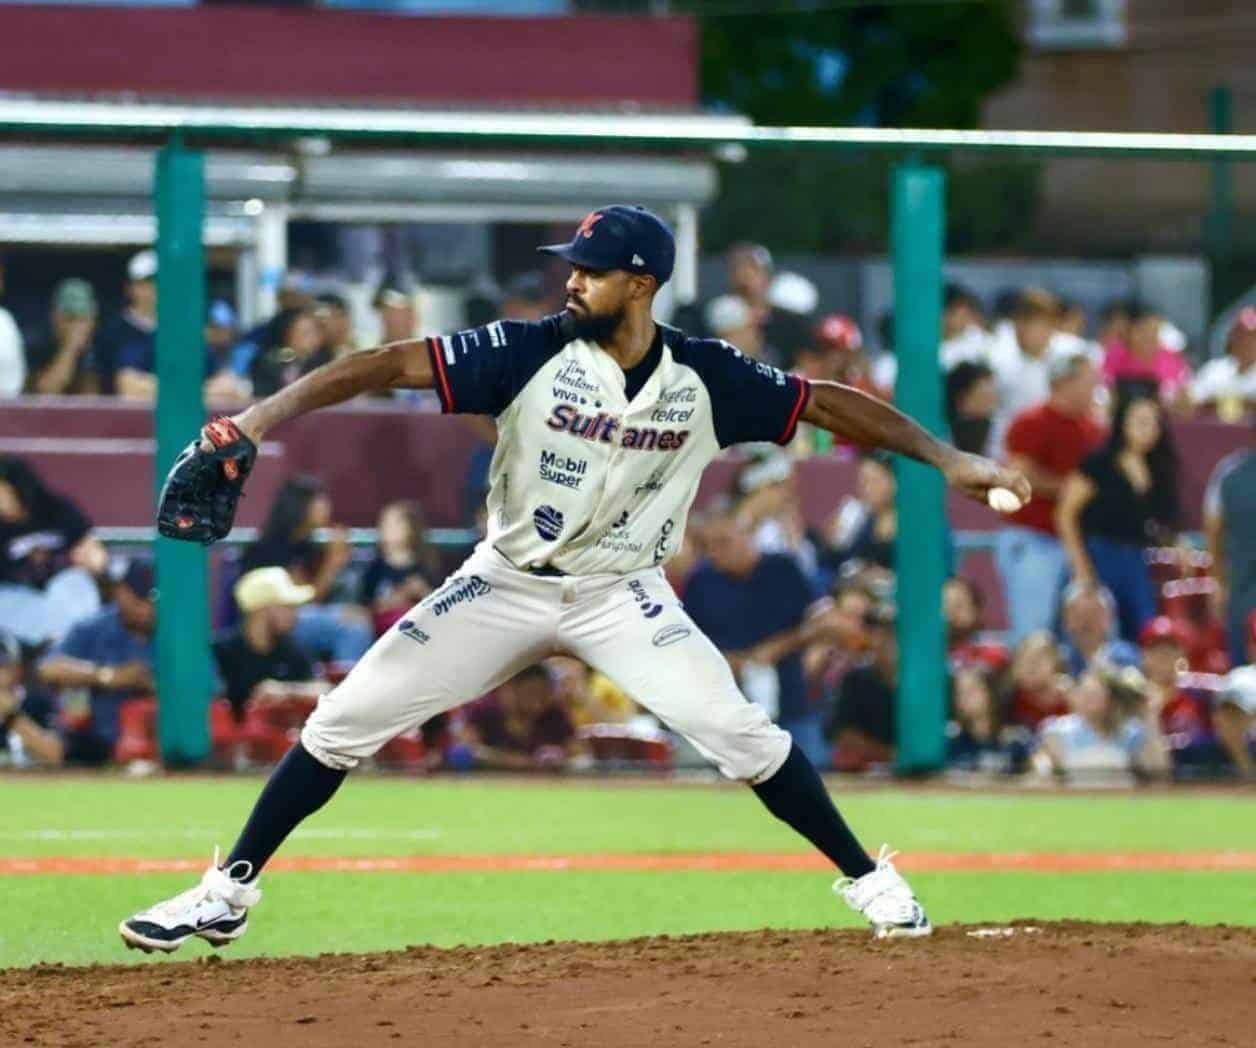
column 596, row 328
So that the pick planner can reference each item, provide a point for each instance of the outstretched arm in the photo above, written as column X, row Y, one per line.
column 398, row 365
column 864, row 420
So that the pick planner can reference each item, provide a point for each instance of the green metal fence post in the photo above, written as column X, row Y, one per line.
column 183, row 657
column 918, row 235
column 1220, row 241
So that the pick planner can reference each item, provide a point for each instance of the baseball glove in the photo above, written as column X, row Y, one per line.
column 198, row 500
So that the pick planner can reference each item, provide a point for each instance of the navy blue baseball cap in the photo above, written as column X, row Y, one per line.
column 624, row 237
column 138, row 577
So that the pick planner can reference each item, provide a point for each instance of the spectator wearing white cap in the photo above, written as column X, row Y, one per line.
column 1227, row 385
column 12, row 359
column 135, row 355
column 132, row 335
column 261, row 649
column 731, row 318
column 781, row 305
column 64, row 362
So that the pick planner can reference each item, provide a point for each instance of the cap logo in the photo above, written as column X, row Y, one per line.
column 586, row 227
column 637, row 260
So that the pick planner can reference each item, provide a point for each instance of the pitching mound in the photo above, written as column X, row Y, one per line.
column 1050, row 984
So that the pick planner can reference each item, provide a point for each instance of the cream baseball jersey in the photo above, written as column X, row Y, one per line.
column 596, row 468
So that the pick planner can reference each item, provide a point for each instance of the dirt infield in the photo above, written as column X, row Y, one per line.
column 1051, row 984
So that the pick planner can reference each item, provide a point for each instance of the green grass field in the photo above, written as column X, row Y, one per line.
column 71, row 918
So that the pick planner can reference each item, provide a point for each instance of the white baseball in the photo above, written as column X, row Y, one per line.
column 1002, row 500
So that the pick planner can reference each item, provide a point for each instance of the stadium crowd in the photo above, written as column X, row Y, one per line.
column 1108, row 663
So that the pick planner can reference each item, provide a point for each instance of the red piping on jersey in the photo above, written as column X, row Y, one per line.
column 804, row 394
column 442, row 377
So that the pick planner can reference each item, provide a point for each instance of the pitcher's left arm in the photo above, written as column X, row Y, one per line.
column 860, row 419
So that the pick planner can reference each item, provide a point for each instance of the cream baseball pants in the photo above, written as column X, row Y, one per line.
column 490, row 620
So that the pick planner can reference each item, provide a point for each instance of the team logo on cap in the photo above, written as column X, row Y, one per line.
column 586, row 227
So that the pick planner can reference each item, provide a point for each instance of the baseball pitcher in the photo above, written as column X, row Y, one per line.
column 606, row 420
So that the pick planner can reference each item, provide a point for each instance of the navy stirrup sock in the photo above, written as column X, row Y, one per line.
column 296, row 789
column 796, row 796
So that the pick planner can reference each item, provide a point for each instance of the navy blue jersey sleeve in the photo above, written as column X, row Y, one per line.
column 751, row 401
column 481, row 370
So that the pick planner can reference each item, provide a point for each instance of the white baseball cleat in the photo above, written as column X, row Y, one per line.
column 886, row 900
column 216, row 910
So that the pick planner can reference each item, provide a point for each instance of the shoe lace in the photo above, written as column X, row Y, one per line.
column 884, row 856
column 882, row 895
column 206, row 889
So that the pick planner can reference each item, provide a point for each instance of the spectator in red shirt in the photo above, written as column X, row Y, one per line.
column 521, row 726
column 1047, row 443
column 1036, row 687
column 1184, row 717
column 963, row 609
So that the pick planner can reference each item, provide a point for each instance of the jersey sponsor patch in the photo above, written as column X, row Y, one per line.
column 619, row 538
column 664, row 541
column 548, row 522
column 571, row 381
column 608, row 429
column 563, row 470
column 670, row 635
column 776, row 375
column 672, row 405
column 459, row 590
column 411, row 629
column 654, row 482
column 650, row 609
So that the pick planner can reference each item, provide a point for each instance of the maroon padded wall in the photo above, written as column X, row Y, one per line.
column 341, row 56
column 368, row 455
